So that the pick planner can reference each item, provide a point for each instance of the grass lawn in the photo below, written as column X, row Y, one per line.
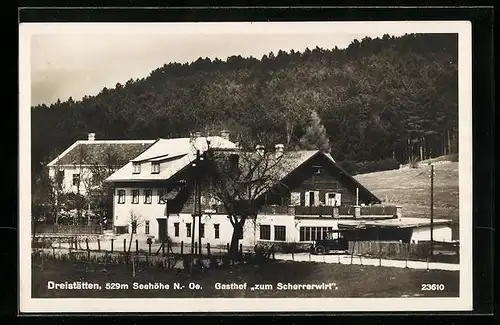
column 410, row 187
column 350, row 281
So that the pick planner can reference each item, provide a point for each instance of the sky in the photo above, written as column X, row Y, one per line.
column 65, row 63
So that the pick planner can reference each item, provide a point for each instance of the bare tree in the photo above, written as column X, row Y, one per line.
column 97, row 192
column 240, row 178
column 135, row 221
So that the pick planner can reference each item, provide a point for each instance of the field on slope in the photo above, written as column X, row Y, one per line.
column 410, row 187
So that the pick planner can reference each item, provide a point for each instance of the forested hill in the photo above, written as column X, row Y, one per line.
column 384, row 98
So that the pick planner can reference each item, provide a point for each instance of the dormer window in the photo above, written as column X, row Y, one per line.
column 136, row 168
column 155, row 167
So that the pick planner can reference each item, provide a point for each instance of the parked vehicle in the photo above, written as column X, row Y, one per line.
column 334, row 241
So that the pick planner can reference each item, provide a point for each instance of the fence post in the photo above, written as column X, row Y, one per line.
column 98, row 244
column 292, row 256
column 112, row 240
column 124, row 244
column 163, row 249
column 227, row 247
column 149, row 248
column 88, row 250
column 407, row 254
column 182, row 248
column 195, row 248
column 168, row 254
column 208, row 250
column 241, row 250
column 137, row 246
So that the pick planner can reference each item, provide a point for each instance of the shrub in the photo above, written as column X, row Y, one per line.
column 285, row 247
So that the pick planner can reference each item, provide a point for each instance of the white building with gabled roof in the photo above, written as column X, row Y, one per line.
column 73, row 167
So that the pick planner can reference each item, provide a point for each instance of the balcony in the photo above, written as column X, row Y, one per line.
column 334, row 212
column 345, row 211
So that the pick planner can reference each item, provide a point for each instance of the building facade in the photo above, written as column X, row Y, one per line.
column 319, row 196
column 74, row 168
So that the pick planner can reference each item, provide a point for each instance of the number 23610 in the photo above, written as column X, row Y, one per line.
column 432, row 287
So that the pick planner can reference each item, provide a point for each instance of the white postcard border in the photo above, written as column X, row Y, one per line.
column 62, row 305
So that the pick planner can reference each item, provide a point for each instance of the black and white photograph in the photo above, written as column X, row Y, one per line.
column 228, row 167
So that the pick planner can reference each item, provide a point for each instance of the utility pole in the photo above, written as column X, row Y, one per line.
column 198, row 197
column 432, row 209
column 193, row 226
column 196, row 208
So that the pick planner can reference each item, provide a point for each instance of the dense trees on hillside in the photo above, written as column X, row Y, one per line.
column 385, row 98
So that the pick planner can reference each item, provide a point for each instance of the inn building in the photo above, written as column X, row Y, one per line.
column 153, row 197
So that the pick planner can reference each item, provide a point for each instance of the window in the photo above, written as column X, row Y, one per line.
column 176, row 229
column 317, row 170
column 217, row 231
column 136, row 168
column 121, row 196
column 280, row 233
column 265, row 232
column 311, row 198
column 161, row 196
column 188, row 229
column 302, row 232
column 202, row 230
column 76, row 179
column 146, row 227
column 134, row 227
column 155, row 167
column 333, row 199
column 313, row 233
column 148, row 194
column 135, row 196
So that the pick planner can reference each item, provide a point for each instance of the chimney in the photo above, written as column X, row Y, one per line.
column 224, row 134
column 260, row 149
column 279, row 148
column 91, row 136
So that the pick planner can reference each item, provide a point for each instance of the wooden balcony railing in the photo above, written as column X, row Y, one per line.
column 345, row 210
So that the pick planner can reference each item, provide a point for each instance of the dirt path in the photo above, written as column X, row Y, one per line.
column 297, row 257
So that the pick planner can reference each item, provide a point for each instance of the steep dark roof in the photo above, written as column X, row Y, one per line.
column 294, row 159
column 116, row 152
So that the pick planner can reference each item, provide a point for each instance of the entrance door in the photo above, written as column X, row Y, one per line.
column 162, row 229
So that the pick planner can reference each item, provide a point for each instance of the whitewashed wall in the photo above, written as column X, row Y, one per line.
column 440, row 233
column 67, row 184
column 121, row 212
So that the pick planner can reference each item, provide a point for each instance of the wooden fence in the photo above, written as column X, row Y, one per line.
column 399, row 250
